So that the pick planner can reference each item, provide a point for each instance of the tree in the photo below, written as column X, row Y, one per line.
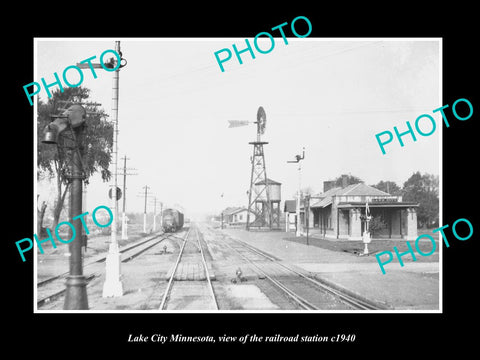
column 423, row 189
column 40, row 214
column 376, row 223
column 389, row 187
column 308, row 190
column 95, row 146
column 350, row 179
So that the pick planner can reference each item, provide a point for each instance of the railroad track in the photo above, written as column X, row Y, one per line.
column 54, row 287
column 304, row 290
column 189, row 283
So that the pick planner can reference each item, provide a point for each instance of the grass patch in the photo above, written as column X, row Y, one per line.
column 375, row 246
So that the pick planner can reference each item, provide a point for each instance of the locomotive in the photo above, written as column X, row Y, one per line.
column 172, row 220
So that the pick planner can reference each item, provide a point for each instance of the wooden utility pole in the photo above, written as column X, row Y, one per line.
column 124, row 216
column 145, row 209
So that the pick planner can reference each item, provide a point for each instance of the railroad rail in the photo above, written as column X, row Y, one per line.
column 353, row 301
column 131, row 251
column 195, row 252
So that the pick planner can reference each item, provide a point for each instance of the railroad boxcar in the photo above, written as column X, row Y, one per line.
column 172, row 220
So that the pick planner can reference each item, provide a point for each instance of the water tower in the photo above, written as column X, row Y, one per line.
column 274, row 190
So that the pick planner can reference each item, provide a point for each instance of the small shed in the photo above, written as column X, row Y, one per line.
column 237, row 216
column 290, row 210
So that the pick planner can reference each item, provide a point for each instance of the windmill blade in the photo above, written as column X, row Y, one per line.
column 261, row 120
column 87, row 66
column 263, row 124
column 237, row 123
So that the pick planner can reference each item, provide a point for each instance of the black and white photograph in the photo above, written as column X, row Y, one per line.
column 262, row 187
column 282, row 187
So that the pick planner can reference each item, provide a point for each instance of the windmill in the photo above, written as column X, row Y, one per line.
column 261, row 122
column 259, row 202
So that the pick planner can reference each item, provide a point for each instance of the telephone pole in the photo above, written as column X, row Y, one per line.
column 161, row 215
column 145, row 208
column 155, row 212
column 124, row 216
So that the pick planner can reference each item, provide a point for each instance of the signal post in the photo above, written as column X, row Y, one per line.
column 112, row 286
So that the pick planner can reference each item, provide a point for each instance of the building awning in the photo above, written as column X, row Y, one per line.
column 351, row 205
column 322, row 203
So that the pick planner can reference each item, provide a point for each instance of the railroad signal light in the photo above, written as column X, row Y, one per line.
column 119, row 193
column 51, row 135
column 72, row 119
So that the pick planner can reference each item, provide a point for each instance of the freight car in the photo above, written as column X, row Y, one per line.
column 172, row 220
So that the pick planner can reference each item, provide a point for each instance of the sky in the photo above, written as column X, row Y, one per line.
column 330, row 96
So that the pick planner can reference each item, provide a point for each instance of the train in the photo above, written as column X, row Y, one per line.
column 172, row 220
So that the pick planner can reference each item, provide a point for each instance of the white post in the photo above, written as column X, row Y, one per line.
column 124, row 226
column 161, row 215
column 112, row 285
column 287, row 215
column 366, row 235
column 155, row 215
column 145, row 210
column 124, row 217
column 299, row 194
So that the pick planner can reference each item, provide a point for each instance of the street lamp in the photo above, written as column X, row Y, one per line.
column 72, row 119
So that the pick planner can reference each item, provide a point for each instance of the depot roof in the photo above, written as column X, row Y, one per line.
column 359, row 189
column 360, row 204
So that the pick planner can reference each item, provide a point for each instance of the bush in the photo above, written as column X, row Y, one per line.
column 375, row 224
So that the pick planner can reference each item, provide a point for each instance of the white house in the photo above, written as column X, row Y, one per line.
column 237, row 216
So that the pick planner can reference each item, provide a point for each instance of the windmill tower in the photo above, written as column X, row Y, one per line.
column 258, row 195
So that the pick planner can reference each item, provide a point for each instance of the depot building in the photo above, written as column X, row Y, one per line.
column 338, row 213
